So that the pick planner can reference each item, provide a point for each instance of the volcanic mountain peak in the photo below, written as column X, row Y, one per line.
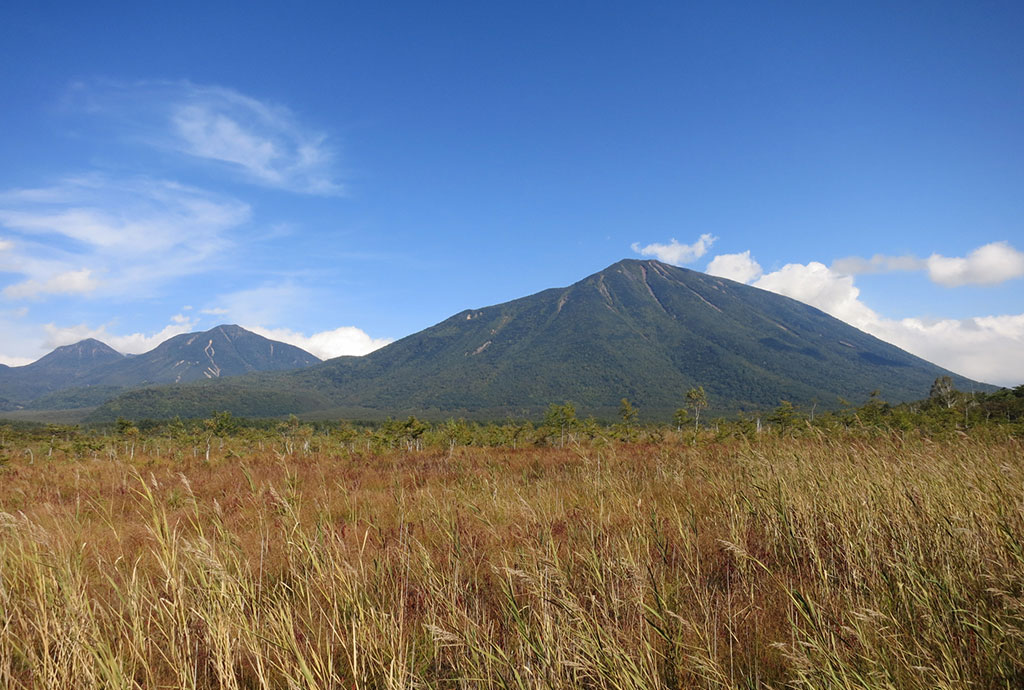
column 640, row 329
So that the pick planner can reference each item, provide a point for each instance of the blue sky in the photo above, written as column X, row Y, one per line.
column 339, row 175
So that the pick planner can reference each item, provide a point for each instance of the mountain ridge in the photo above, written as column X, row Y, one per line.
column 89, row 372
column 639, row 329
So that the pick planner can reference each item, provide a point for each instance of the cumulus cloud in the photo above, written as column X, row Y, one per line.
column 131, row 343
column 265, row 143
column 986, row 348
column 991, row 264
column 676, row 253
column 739, row 267
column 816, row 284
column 346, row 340
column 103, row 235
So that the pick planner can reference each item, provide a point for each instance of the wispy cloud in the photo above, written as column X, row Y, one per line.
column 262, row 142
column 989, row 264
column 674, row 252
column 103, row 235
column 68, row 283
column 879, row 263
column 266, row 305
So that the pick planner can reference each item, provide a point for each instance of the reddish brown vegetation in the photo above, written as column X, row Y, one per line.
column 815, row 563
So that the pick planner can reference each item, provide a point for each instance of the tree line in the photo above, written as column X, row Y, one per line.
column 945, row 411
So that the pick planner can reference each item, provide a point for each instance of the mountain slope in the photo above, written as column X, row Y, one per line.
column 89, row 372
column 639, row 329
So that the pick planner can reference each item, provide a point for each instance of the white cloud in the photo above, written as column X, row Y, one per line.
column 987, row 265
column 739, row 267
column 131, row 343
column 676, row 253
column 263, row 142
column 215, row 311
column 984, row 348
column 208, row 134
column 819, row 286
column 67, row 283
column 129, row 216
column 347, row 340
column 987, row 348
column 109, row 236
column 5, row 245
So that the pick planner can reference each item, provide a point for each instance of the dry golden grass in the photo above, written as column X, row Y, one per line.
column 846, row 563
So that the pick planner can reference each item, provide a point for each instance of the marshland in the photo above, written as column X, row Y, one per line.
column 625, row 558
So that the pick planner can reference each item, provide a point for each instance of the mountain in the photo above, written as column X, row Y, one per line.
column 643, row 330
column 89, row 372
column 65, row 367
column 220, row 352
column 70, row 359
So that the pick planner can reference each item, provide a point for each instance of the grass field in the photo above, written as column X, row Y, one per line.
column 841, row 562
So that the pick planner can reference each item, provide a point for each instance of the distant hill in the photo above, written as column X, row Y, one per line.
column 90, row 372
column 643, row 330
